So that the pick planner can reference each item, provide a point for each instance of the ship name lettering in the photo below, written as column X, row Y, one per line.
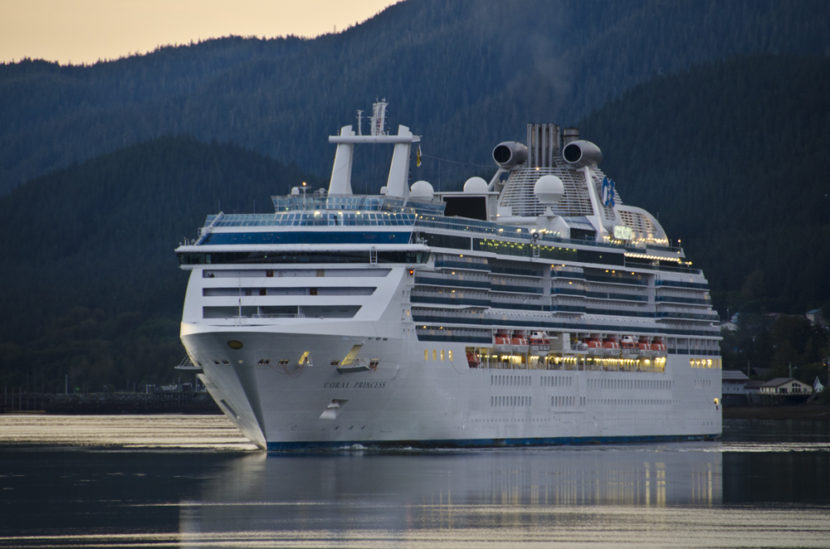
column 370, row 385
column 354, row 385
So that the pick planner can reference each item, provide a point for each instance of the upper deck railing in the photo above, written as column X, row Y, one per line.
column 374, row 210
column 314, row 219
column 356, row 203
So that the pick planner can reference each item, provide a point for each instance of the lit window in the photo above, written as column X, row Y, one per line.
column 449, row 355
column 426, row 354
column 442, row 354
column 434, row 354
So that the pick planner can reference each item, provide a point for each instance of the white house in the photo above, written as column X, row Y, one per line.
column 785, row 386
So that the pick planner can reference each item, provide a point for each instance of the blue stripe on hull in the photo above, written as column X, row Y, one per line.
column 482, row 442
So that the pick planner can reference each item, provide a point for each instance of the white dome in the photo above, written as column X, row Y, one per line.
column 548, row 189
column 475, row 185
column 422, row 190
column 295, row 191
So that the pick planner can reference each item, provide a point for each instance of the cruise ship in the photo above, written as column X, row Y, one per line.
column 531, row 309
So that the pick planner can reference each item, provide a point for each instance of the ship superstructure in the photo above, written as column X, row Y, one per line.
column 534, row 308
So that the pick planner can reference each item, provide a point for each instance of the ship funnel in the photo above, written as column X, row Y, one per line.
column 581, row 153
column 569, row 135
column 509, row 153
column 543, row 145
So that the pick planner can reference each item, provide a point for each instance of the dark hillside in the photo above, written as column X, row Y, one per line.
column 465, row 74
column 93, row 290
column 718, row 122
column 91, row 284
column 733, row 157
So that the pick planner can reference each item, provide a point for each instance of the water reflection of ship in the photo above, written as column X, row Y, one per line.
column 401, row 491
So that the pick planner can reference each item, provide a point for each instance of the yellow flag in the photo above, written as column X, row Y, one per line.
column 418, row 157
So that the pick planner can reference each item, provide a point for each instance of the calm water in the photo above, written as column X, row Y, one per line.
column 173, row 481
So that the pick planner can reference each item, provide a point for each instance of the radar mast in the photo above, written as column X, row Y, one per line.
column 378, row 118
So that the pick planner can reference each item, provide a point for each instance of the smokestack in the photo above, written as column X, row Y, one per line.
column 569, row 135
column 543, row 145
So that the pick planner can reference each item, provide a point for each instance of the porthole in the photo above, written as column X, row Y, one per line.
column 235, row 344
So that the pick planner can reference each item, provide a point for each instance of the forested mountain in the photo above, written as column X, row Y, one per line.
column 91, row 287
column 713, row 115
column 448, row 69
column 733, row 157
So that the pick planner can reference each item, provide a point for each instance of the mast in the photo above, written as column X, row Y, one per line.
column 341, row 173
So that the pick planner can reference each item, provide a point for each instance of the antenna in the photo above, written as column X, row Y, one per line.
column 359, row 122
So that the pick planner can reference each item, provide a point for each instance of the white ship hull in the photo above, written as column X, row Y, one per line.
column 407, row 400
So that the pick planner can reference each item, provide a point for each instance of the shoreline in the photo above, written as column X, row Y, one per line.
column 784, row 412
column 202, row 403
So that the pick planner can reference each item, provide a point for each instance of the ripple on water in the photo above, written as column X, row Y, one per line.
column 152, row 432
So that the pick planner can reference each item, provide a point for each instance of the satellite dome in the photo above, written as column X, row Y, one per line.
column 295, row 191
column 548, row 189
column 475, row 185
column 421, row 190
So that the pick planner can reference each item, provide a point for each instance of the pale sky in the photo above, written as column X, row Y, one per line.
column 85, row 31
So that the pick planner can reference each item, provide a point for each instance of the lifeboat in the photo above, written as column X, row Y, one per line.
column 658, row 345
column 627, row 342
column 539, row 338
column 502, row 342
column 539, row 342
column 519, row 338
column 593, row 342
